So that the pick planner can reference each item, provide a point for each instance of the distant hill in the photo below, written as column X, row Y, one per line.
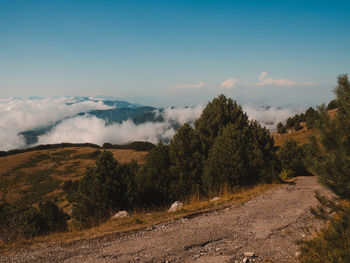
column 117, row 115
column 122, row 111
column 30, row 177
column 301, row 136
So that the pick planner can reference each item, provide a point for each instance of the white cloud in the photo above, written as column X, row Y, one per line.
column 189, row 86
column 271, row 116
column 183, row 115
column 92, row 129
column 18, row 115
column 264, row 81
column 229, row 83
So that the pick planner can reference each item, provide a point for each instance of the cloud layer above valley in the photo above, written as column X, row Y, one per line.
column 18, row 115
column 92, row 129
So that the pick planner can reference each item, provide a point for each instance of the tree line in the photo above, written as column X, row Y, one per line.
column 223, row 149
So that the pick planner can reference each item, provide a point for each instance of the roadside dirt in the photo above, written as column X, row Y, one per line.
column 267, row 225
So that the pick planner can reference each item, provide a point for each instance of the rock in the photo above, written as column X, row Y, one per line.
column 215, row 199
column 176, row 206
column 249, row 254
column 297, row 254
column 121, row 214
column 245, row 260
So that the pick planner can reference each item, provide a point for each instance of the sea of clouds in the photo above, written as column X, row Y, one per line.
column 18, row 115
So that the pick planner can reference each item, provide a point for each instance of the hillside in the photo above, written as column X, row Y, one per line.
column 301, row 136
column 30, row 177
column 267, row 225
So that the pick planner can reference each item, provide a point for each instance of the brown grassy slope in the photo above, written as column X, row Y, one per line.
column 31, row 177
column 301, row 136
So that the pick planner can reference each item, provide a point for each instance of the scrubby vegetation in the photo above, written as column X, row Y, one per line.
column 29, row 221
column 331, row 163
column 223, row 149
column 292, row 159
column 310, row 117
column 105, row 188
column 138, row 146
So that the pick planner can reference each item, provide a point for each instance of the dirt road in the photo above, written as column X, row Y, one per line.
column 267, row 225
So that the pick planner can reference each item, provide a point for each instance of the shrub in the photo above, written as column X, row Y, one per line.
column 281, row 128
column 186, row 162
column 105, row 188
column 332, row 244
column 240, row 157
column 215, row 116
column 28, row 222
column 332, row 165
column 291, row 156
column 333, row 104
column 153, row 179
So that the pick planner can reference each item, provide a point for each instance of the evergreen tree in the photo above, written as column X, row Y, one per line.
column 153, row 179
column 291, row 156
column 105, row 188
column 55, row 220
column 215, row 116
column 281, row 128
column 186, row 166
column 333, row 168
column 332, row 165
column 228, row 160
column 311, row 118
column 241, row 157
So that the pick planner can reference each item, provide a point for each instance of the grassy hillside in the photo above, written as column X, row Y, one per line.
column 301, row 136
column 31, row 177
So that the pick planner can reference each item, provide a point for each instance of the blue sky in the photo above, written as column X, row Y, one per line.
column 175, row 52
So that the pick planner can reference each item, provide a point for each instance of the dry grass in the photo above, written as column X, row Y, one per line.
column 141, row 220
column 301, row 136
column 18, row 172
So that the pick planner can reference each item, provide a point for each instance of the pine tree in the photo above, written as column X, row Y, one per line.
column 332, row 165
column 186, row 166
column 291, row 156
column 104, row 189
column 333, row 168
column 215, row 116
column 153, row 179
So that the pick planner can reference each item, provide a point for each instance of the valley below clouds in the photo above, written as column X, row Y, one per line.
column 82, row 119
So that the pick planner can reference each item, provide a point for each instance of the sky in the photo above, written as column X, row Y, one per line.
column 175, row 52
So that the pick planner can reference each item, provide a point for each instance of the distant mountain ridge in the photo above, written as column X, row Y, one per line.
column 122, row 111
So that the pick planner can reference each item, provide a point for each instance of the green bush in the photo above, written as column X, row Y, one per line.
column 333, row 104
column 28, row 222
column 331, row 163
column 241, row 157
column 153, row 179
column 186, row 162
column 332, row 244
column 281, row 128
column 291, row 156
column 105, row 188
